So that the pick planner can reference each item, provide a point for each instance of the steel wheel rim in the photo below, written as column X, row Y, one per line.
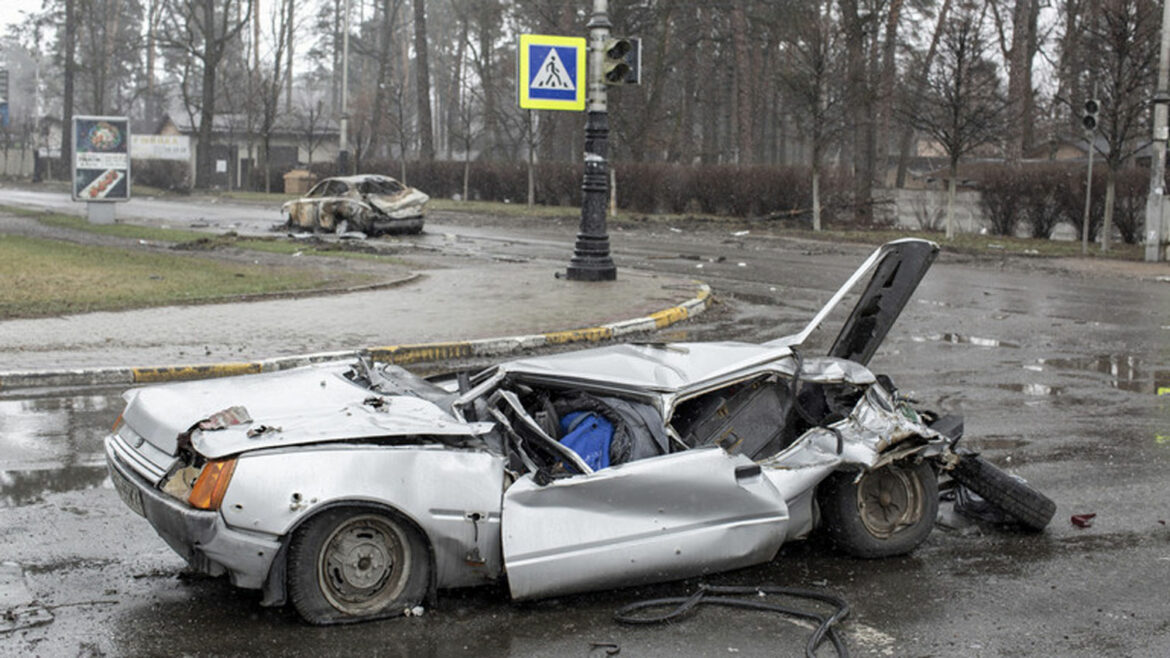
column 364, row 564
column 890, row 499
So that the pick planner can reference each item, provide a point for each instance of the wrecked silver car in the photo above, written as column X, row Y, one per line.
column 357, row 490
column 368, row 203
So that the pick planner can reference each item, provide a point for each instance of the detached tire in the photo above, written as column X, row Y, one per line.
column 887, row 512
column 1028, row 506
column 354, row 564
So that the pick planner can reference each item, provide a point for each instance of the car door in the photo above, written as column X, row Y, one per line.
column 656, row 519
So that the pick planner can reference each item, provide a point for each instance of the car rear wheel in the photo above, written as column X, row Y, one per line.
column 355, row 564
column 889, row 511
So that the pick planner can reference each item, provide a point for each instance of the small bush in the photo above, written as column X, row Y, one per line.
column 1069, row 196
column 170, row 175
column 1001, row 197
column 1131, row 188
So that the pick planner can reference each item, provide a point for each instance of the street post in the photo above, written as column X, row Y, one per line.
column 591, row 260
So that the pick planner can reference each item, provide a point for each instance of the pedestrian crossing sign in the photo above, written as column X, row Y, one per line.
column 552, row 72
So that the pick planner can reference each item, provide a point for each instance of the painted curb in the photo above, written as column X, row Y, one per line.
column 397, row 354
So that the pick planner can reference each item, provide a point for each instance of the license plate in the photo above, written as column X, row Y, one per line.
column 128, row 492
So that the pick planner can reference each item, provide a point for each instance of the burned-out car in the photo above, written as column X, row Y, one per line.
column 357, row 490
column 367, row 203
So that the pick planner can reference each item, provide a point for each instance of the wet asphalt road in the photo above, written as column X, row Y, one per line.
column 1057, row 376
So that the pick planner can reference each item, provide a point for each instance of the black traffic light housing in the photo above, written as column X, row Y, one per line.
column 622, row 64
column 1092, row 109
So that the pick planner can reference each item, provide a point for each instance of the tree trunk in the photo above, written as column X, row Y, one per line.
column 203, row 169
column 382, row 88
column 816, row 196
column 861, row 115
column 1110, row 195
column 889, row 72
column 425, row 128
column 951, row 189
column 743, row 83
column 455, row 94
column 1019, row 67
column 67, row 105
column 288, row 68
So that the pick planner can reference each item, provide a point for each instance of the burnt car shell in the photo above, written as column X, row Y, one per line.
column 369, row 203
column 467, row 481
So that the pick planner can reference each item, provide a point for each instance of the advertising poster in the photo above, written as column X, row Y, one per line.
column 101, row 158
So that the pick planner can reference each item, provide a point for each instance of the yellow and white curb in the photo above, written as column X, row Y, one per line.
column 398, row 354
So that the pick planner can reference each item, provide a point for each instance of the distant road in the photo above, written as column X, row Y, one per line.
column 173, row 211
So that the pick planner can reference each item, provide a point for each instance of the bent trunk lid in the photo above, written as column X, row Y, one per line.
column 897, row 268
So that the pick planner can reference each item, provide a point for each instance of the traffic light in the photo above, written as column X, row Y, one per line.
column 1092, row 108
column 622, row 64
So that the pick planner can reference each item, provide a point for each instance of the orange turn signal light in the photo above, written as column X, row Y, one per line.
column 212, row 484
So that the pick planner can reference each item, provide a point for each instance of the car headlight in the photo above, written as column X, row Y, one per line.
column 212, row 484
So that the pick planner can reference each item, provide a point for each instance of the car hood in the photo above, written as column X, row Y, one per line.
column 408, row 201
column 294, row 407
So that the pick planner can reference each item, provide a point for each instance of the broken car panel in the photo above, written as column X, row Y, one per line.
column 367, row 203
column 356, row 490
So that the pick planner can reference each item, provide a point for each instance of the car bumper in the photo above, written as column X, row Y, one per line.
column 200, row 537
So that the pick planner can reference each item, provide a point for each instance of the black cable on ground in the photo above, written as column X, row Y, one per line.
column 711, row 594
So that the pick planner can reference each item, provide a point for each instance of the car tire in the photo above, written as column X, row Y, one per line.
column 1019, row 500
column 889, row 511
column 355, row 564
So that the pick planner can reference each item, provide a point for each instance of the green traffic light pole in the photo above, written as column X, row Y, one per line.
column 591, row 260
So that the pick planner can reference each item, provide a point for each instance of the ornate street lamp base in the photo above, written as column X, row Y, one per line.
column 591, row 261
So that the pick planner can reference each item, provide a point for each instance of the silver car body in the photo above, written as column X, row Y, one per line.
column 319, row 437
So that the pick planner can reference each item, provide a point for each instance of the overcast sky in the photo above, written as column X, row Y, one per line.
column 10, row 12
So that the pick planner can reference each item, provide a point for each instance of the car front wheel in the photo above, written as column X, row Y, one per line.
column 889, row 511
column 355, row 564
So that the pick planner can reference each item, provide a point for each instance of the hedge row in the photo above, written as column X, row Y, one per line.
column 1041, row 196
column 750, row 191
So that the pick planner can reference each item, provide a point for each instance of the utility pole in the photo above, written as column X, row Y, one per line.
column 1092, row 107
column 591, row 260
column 343, row 142
column 1155, row 229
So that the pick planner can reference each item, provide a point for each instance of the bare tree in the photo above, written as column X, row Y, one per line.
column 812, row 76
column 202, row 29
column 423, row 73
column 905, row 141
column 271, row 82
column 311, row 122
column 962, row 107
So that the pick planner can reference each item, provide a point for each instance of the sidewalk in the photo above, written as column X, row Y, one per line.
column 477, row 310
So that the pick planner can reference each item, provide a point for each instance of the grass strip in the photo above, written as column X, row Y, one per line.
column 49, row 277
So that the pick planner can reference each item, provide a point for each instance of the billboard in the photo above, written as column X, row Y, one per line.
column 160, row 147
column 101, row 158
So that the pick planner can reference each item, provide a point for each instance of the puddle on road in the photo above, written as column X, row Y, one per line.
column 1033, row 389
column 959, row 339
column 52, row 443
column 1126, row 372
column 24, row 487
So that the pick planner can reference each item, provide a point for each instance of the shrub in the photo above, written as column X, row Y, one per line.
column 170, row 175
column 1131, row 188
column 1001, row 196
